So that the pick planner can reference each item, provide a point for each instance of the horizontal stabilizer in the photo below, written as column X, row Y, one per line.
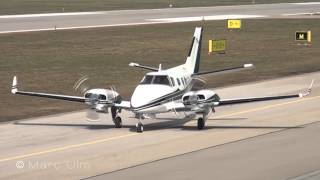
column 228, row 70
column 143, row 67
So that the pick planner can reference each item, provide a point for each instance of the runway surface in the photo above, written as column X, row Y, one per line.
column 56, row 21
column 266, row 140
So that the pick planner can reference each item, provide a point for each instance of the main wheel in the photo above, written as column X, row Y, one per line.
column 118, row 122
column 201, row 123
column 139, row 127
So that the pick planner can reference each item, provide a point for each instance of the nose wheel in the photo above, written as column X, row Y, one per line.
column 139, row 127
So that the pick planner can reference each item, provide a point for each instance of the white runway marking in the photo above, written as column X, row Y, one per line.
column 297, row 14
column 307, row 3
column 199, row 18
column 51, row 14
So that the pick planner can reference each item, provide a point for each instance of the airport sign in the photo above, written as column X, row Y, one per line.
column 217, row 46
column 234, row 24
column 303, row 36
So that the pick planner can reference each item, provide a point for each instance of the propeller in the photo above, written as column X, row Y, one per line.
column 97, row 110
column 82, row 85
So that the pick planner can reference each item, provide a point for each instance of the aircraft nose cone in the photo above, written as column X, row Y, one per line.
column 146, row 94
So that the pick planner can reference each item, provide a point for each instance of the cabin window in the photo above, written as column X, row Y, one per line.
column 183, row 81
column 178, row 81
column 172, row 81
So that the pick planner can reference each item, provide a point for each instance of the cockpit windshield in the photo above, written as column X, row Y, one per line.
column 147, row 80
column 160, row 79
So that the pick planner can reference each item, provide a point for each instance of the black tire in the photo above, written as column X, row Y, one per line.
column 139, row 128
column 201, row 123
column 118, row 122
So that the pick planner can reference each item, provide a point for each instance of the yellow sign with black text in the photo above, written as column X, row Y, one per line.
column 217, row 46
column 234, row 24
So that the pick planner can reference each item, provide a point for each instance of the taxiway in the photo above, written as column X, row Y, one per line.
column 277, row 139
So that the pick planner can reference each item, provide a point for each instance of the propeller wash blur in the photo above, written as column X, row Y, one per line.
column 162, row 91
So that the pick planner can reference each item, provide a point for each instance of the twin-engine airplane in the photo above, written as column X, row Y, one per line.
column 162, row 91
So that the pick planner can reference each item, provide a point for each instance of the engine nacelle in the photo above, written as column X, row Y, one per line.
column 101, row 99
column 199, row 97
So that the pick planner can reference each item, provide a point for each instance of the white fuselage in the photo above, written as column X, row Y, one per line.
column 157, row 89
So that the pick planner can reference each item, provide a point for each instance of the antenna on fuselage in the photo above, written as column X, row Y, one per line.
column 160, row 67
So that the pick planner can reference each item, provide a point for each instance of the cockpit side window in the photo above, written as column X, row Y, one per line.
column 147, row 80
column 161, row 80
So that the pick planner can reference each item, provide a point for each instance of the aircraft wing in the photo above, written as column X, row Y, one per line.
column 15, row 90
column 254, row 99
column 265, row 98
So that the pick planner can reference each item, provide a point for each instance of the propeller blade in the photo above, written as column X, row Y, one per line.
column 81, row 85
column 93, row 116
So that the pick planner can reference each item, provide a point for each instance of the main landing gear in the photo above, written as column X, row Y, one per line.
column 201, row 123
column 117, row 122
column 116, row 119
column 139, row 127
column 202, row 120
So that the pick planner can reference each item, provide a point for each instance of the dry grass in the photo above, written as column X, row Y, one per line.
column 53, row 61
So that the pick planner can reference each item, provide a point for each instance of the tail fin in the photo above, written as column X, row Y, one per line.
column 193, row 59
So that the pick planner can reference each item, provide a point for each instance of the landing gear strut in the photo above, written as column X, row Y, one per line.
column 202, row 120
column 116, row 119
column 201, row 123
column 139, row 127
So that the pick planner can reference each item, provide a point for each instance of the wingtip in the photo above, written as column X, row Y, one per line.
column 132, row 64
column 311, row 85
column 248, row 65
column 14, row 87
column 308, row 90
